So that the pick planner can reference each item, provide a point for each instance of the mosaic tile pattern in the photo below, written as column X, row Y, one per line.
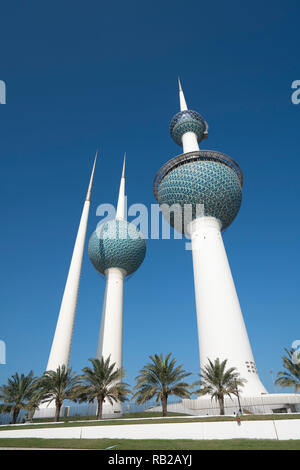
column 117, row 244
column 187, row 121
column 213, row 184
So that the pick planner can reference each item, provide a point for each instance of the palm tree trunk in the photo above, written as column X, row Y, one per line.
column 15, row 415
column 57, row 411
column 164, row 401
column 221, row 403
column 30, row 415
column 99, row 413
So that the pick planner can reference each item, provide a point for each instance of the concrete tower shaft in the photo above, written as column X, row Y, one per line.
column 221, row 328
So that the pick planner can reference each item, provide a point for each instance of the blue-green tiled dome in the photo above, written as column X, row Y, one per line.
column 117, row 244
column 207, row 182
column 187, row 121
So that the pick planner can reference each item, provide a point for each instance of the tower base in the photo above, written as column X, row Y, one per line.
column 46, row 411
column 112, row 411
column 264, row 404
column 67, row 411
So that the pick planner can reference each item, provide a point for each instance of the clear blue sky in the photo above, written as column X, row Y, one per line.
column 82, row 75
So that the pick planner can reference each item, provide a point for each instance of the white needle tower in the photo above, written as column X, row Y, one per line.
column 62, row 341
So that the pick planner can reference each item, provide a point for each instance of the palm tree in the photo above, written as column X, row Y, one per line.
column 18, row 394
column 218, row 382
column 58, row 385
column 102, row 382
column 160, row 379
column 291, row 376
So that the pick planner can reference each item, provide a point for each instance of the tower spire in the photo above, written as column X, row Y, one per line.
column 120, row 214
column 124, row 165
column 89, row 191
column 183, row 105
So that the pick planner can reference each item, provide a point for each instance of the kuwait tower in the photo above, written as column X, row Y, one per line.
column 116, row 249
column 62, row 341
column 208, row 186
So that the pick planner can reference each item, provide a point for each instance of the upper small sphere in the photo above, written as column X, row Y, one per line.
column 187, row 121
column 117, row 244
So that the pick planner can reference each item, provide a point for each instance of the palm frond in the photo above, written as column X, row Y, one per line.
column 291, row 376
column 160, row 378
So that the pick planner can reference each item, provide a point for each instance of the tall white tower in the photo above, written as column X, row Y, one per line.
column 62, row 341
column 111, row 329
column 211, row 183
column 116, row 249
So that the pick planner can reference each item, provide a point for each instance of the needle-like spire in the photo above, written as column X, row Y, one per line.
column 124, row 164
column 183, row 105
column 62, row 341
column 89, row 191
column 121, row 201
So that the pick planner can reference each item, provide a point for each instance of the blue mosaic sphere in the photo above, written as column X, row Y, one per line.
column 187, row 121
column 214, row 184
column 117, row 244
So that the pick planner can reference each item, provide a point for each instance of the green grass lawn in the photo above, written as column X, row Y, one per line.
column 127, row 444
column 169, row 419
